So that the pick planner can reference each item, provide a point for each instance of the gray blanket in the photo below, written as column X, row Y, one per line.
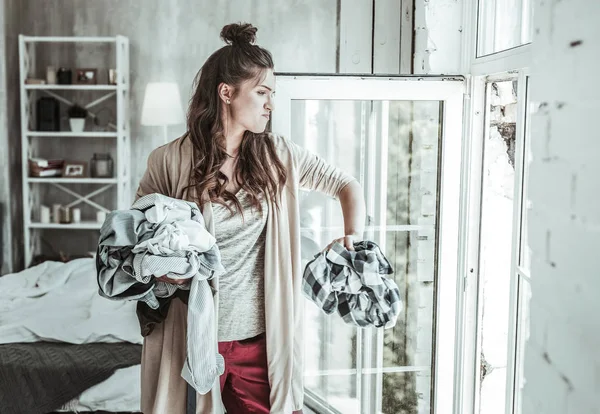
column 41, row 377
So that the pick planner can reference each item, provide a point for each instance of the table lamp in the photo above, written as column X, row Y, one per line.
column 162, row 106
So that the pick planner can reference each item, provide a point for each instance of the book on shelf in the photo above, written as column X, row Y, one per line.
column 40, row 167
column 49, row 173
column 35, row 81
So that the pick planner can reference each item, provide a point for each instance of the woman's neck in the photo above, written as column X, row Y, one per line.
column 233, row 140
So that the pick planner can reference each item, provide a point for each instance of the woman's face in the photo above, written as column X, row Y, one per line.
column 252, row 105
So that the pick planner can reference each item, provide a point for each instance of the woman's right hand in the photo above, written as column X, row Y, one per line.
column 171, row 281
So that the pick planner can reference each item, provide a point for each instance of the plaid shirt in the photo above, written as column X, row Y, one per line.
column 356, row 283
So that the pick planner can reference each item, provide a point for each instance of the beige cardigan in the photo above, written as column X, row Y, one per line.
column 163, row 389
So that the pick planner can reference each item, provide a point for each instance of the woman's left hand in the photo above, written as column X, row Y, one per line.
column 346, row 241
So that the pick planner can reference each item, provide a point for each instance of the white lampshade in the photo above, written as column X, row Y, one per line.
column 162, row 105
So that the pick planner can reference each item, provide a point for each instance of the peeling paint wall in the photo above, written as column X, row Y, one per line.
column 562, row 362
column 438, row 36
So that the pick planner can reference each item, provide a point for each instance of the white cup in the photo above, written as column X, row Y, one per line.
column 44, row 214
column 56, row 213
column 100, row 216
column 50, row 75
column 76, row 215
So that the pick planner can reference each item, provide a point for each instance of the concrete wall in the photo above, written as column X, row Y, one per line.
column 171, row 39
column 5, row 230
column 10, row 144
column 169, row 42
column 562, row 362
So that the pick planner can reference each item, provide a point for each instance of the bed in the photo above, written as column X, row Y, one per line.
column 57, row 335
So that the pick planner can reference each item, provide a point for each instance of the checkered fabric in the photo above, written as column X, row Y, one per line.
column 355, row 283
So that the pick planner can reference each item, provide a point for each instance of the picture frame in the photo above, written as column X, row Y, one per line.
column 85, row 76
column 74, row 169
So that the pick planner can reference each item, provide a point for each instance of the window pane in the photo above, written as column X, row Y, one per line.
column 411, row 195
column 330, row 347
column 409, row 343
column 330, row 344
column 404, row 392
column 393, row 148
column 336, row 393
column 496, row 243
column 503, row 25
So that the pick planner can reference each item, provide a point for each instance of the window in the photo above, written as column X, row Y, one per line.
column 503, row 25
column 496, row 236
column 495, row 319
column 394, row 145
column 493, row 311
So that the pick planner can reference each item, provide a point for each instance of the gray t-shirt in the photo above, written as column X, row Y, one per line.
column 241, row 241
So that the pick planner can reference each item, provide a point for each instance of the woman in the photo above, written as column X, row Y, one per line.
column 246, row 183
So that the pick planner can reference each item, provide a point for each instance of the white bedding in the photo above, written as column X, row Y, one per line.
column 57, row 301
column 120, row 392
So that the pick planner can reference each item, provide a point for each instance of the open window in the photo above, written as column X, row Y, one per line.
column 401, row 138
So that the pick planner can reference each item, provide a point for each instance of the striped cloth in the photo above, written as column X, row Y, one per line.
column 355, row 283
column 179, row 247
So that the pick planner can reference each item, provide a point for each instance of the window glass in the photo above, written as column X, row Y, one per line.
column 503, row 25
column 393, row 147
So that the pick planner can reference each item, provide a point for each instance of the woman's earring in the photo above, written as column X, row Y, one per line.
column 228, row 101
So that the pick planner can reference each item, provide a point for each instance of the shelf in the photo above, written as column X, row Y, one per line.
column 73, row 87
column 84, row 225
column 114, row 138
column 73, row 180
column 59, row 134
column 66, row 39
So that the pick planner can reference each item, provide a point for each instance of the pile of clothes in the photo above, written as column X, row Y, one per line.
column 355, row 283
column 163, row 236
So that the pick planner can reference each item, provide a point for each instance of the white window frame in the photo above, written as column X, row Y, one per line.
column 508, row 64
column 513, row 394
column 450, row 90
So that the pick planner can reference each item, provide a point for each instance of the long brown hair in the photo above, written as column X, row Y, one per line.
column 258, row 169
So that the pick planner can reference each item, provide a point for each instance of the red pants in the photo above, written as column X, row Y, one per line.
column 245, row 385
column 245, row 382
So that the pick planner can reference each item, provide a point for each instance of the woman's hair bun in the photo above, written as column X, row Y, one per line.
column 239, row 34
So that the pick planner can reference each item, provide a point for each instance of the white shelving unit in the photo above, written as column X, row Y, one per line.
column 73, row 87
column 119, row 133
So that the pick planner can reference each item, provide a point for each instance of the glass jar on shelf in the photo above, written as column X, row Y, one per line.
column 101, row 166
